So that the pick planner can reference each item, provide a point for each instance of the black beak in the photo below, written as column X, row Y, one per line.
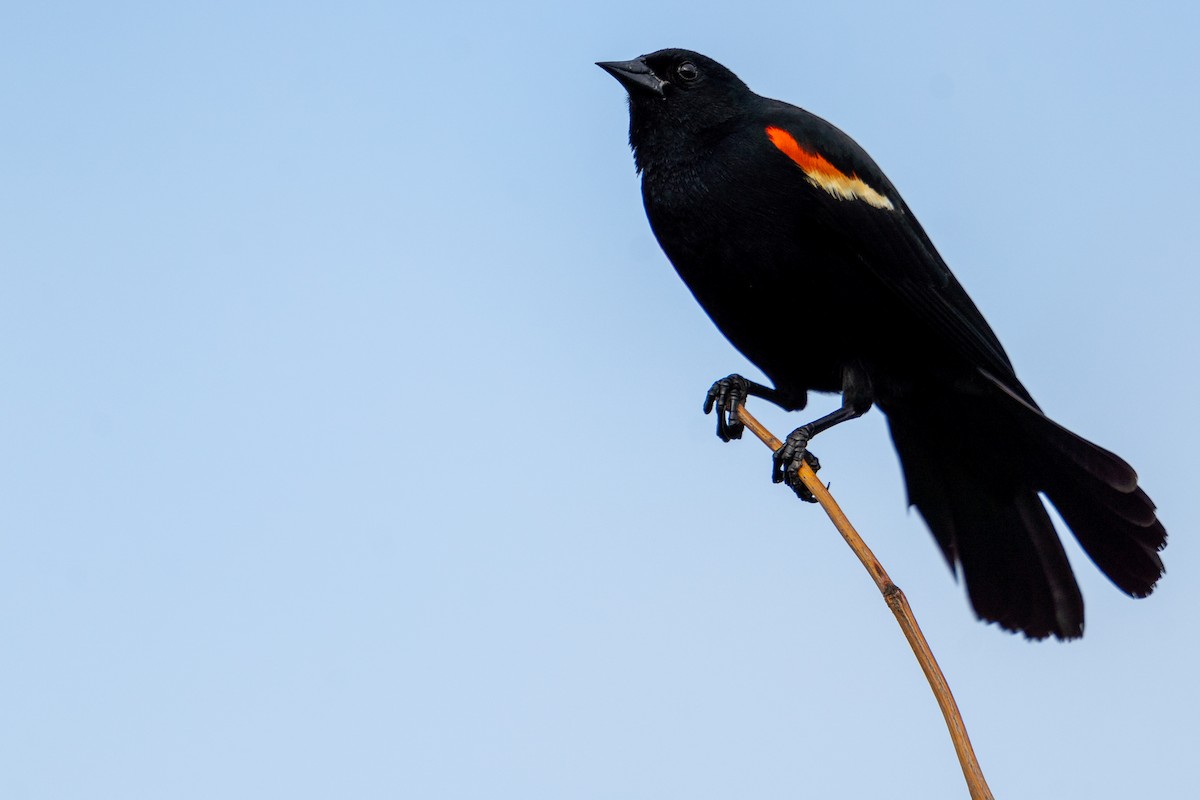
column 634, row 75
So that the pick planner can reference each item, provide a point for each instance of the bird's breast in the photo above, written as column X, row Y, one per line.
column 757, row 267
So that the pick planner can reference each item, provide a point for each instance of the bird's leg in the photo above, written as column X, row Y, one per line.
column 857, row 399
column 726, row 395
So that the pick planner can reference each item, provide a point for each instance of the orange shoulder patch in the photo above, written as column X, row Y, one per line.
column 822, row 174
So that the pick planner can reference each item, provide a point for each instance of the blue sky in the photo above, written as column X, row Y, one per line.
column 352, row 433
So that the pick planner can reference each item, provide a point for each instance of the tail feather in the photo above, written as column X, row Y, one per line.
column 1113, row 520
column 1124, row 549
column 1091, row 458
column 1015, row 568
column 988, row 519
column 974, row 467
column 1134, row 507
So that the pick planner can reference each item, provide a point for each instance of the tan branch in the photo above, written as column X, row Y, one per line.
column 899, row 605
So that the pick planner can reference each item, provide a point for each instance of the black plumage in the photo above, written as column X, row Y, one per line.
column 779, row 222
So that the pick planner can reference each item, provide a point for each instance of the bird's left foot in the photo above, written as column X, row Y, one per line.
column 726, row 395
column 785, row 463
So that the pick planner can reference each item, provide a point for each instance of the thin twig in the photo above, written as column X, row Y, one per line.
column 899, row 605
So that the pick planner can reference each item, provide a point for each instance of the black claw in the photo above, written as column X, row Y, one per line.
column 786, row 459
column 798, row 486
column 803, row 493
column 726, row 395
column 785, row 463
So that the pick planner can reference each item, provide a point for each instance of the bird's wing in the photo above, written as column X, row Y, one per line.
column 859, row 205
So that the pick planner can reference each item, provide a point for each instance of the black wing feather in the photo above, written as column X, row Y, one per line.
column 895, row 249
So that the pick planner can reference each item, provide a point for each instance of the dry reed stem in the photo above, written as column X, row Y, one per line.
column 899, row 605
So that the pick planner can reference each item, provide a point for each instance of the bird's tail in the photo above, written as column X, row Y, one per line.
column 974, row 466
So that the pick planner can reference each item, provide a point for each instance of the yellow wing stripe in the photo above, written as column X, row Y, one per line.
column 823, row 175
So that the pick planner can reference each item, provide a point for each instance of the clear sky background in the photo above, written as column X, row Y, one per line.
column 351, row 426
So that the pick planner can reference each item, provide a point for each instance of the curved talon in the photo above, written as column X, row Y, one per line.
column 798, row 485
column 726, row 395
column 785, row 462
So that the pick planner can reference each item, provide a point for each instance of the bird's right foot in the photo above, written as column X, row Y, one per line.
column 785, row 463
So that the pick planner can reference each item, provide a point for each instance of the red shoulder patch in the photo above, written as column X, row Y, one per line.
column 822, row 174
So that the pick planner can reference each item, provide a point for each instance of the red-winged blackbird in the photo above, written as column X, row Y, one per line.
column 779, row 224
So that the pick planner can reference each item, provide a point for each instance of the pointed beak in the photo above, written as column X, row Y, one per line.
column 634, row 75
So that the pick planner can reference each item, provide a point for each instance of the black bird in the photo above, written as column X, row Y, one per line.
column 779, row 223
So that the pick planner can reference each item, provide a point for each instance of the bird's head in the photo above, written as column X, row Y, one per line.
column 677, row 95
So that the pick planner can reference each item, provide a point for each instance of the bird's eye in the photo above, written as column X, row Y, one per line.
column 687, row 71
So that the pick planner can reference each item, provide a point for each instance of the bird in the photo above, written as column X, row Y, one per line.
column 780, row 223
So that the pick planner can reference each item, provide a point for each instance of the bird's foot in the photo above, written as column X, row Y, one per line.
column 785, row 463
column 726, row 395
